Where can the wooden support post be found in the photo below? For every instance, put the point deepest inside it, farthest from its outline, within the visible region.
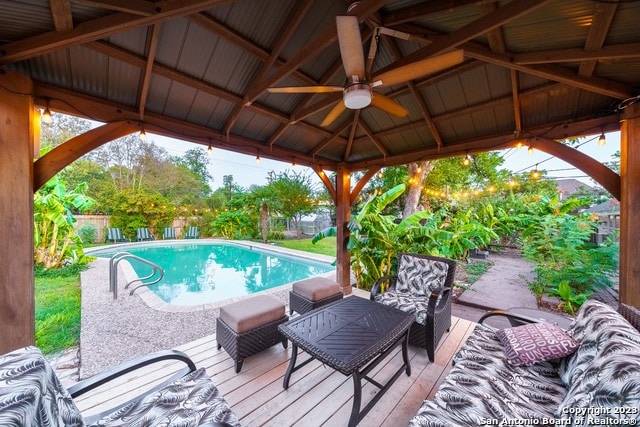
(16, 212)
(343, 215)
(630, 207)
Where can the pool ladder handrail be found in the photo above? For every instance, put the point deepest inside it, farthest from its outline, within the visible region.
(113, 276)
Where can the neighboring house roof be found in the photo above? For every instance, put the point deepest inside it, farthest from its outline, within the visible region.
(611, 206)
(571, 186)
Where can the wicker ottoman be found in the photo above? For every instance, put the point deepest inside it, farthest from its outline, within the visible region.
(312, 293)
(247, 327)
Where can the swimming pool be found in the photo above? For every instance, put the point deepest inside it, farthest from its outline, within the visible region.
(199, 273)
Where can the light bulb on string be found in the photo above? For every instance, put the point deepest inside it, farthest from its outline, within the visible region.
(602, 140)
(46, 116)
(258, 159)
(143, 135)
(530, 150)
(467, 160)
(209, 149)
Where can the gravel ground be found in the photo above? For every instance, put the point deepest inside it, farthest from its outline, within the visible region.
(114, 331)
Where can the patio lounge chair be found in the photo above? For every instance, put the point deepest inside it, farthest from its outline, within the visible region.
(169, 233)
(31, 394)
(143, 234)
(422, 286)
(192, 233)
(115, 235)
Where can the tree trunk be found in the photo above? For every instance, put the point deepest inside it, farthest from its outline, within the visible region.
(264, 220)
(418, 171)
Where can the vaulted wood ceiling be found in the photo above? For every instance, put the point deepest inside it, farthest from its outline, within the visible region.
(199, 70)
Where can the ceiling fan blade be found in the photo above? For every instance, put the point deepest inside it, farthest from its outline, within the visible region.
(351, 46)
(306, 89)
(333, 114)
(388, 105)
(420, 68)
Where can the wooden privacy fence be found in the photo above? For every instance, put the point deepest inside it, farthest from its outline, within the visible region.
(101, 222)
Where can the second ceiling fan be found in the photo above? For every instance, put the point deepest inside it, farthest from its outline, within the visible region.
(358, 91)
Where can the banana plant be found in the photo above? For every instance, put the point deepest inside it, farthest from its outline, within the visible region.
(54, 238)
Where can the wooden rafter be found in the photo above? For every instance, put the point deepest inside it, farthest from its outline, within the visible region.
(413, 12)
(61, 13)
(213, 25)
(362, 10)
(352, 133)
(336, 135)
(480, 26)
(190, 81)
(602, 17)
(515, 91)
(98, 28)
(141, 8)
(292, 22)
(373, 138)
(146, 78)
(326, 181)
(622, 51)
(371, 172)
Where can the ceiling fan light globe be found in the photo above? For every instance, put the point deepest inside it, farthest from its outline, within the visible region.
(357, 98)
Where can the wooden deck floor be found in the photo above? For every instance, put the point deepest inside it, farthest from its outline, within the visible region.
(317, 395)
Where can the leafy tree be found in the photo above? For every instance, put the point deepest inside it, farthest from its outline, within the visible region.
(61, 129)
(133, 209)
(262, 198)
(197, 161)
(54, 238)
(295, 192)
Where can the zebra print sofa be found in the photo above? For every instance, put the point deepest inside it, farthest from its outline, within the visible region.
(31, 395)
(599, 384)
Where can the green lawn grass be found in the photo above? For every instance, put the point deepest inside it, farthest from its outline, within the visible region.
(475, 269)
(57, 301)
(325, 246)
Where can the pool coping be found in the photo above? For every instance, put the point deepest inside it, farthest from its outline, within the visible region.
(154, 302)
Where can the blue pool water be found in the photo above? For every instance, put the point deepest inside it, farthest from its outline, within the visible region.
(205, 272)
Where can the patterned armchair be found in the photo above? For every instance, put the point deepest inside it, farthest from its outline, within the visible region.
(422, 286)
(31, 395)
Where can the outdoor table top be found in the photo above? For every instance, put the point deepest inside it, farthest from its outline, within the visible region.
(348, 333)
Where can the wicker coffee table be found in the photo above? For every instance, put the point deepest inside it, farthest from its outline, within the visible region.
(352, 336)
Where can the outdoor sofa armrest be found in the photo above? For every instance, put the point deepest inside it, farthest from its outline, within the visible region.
(435, 298)
(514, 319)
(100, 379)
(375, 289)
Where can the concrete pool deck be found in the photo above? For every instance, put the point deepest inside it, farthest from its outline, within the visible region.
(116, 330)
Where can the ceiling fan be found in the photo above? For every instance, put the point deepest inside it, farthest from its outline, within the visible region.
(358, 91)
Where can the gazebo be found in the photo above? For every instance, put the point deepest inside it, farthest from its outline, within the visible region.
(397, 81)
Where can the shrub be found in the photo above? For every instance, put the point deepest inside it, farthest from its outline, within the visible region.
(87, 232)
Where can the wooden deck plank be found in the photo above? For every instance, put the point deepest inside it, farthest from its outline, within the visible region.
(317, 395)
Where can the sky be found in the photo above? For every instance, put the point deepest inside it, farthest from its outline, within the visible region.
(247, 172)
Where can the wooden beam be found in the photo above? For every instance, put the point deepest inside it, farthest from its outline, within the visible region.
(515, 93)
(352, 133)
(630, 207)
(229, 34)
(146, 77)
(16, 212)
(98, 28)
(600, 24)
(373, 170)
(558, 74)
(343, 216)
(327, 182)
(314, 152)
(326, 102)
(418, 11)
(141, 8)
(61, 13)
(480, 26)
(362, 10)
(190, 81)
(64, 154)
(592, 167)
(622, 51)
(558, 130)
(291, 25)
(374, 138)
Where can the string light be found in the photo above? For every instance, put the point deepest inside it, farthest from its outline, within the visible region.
(602, 140)
(467, 160)
(46, 115)
(258, 159)
(380, 175)
(209, 149)
(419, 170)
(530, 150)
(293, 164)
(143, 135)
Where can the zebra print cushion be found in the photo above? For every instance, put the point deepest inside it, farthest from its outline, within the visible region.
(405, 302)
(31, 394)
(420, 276)
(595, 324)
(482, 386)
(193, 400)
